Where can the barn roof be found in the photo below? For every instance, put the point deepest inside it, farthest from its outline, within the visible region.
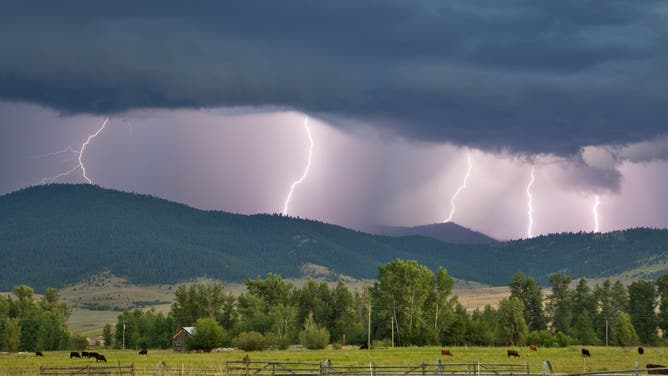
(188, 329)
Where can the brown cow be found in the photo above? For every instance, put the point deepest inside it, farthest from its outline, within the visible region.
(446, 352)
(513, 353)
(533, 347)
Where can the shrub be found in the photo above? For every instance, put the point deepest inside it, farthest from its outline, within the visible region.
(208, 335)
(250, 341)
(313, 336)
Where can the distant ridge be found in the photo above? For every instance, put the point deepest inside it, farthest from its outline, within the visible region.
(449, 232)
(59, 234)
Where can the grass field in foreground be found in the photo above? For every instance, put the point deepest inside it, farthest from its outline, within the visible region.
(564, 360)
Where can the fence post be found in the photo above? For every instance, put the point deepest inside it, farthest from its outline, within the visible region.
(477, 369)
(635, 365)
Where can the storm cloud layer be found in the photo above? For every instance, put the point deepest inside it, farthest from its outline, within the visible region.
(524, 76)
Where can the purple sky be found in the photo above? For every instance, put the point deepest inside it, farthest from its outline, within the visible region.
(207, 103)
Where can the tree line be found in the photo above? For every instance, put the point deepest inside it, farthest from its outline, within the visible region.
(407, 305)
(30, 324)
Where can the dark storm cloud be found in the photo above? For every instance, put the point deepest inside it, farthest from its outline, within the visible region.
(527, 76)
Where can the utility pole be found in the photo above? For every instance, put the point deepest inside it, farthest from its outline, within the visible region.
(606, 332)
(368, 336)
(123, 336)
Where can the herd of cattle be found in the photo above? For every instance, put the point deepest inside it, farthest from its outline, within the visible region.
(91, 355)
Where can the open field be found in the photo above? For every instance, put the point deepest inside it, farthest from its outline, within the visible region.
(564, 360)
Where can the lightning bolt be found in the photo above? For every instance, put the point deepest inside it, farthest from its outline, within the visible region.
(308, 166)
(68, 149)
(71, 150)
(597, 202)
(83, 148)
(530, 204)
(461, 188)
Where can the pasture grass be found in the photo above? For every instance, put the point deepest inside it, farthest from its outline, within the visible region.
(564, 360)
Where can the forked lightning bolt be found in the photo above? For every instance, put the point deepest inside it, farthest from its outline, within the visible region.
(80, 159)
(308, 166)
(530, 205)
(597, 202)
(461, 188)
(83, 148)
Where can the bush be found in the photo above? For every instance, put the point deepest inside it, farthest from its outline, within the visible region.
(314, 338)
(542, 338)
(78, 342)
(208, 335)
(563, 340)
(250, 341)
(276, 342)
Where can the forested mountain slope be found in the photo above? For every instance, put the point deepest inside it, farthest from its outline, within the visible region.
(449, 232)
(58, 234)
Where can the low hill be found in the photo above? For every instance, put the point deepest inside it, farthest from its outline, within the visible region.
(59, 234)
(449, 232)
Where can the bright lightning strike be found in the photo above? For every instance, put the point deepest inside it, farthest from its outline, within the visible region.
(308, 166)
(80, 152)
(597, 202)
(530, 204)
(83, 148)
(461, 188)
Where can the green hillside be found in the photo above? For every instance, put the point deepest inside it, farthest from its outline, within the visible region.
(58, 234)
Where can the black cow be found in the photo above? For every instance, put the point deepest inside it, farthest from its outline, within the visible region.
(652, 371)
(92, 354)
(143, 352)
(74, 354)
(364, 346)
(585, 352)
(84, 354)
(513, 353)
(641, 350)
(100, 358)
(38, 353)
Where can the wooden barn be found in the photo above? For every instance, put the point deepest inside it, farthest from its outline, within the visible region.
(179, 339)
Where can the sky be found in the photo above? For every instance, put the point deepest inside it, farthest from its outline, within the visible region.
(207, 105)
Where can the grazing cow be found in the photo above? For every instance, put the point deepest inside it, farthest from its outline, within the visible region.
(100, 358)
(143, 352)
(74, 354)
(84, 354)
(247, 360)
(641, 350)
(446, 352)
(364, 346)
(513, 353)
(652, 371)
(533, 347)
(93, 354)
(585, 352)
(38, 353)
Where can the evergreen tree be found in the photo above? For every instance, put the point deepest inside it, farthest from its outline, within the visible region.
(642, 305)
(531, 295)
(560, 303)
(512, 327)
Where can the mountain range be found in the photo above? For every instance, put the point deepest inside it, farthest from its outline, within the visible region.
(448, 232)
(55, 235)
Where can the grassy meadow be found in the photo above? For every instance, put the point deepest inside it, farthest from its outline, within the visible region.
(564, 360)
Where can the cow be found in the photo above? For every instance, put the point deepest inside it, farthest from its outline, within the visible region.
(446, 352)
(641, 350)
(74, 354)
(513, 353)
(84, 354)
(38, 353)
(533, 347)
(247, 360)
(100, 358)
(652, 371)
(585, 352)
(143, 352)
(92, 354)
(364, 346)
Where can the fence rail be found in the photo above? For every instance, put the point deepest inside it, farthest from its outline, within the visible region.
(237, 368)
